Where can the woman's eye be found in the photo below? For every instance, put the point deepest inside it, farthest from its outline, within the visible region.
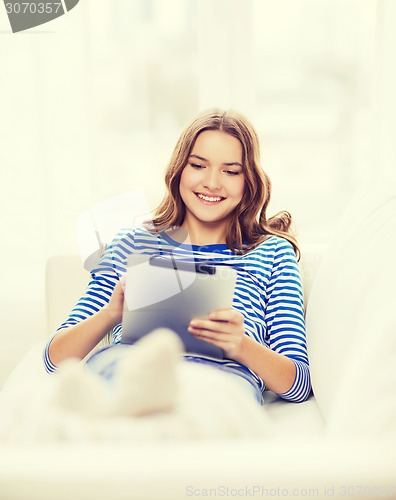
(232, 172)
(195, 165)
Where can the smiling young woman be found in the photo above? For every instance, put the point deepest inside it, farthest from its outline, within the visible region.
(214, 211)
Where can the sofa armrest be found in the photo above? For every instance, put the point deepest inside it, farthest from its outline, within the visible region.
(65, 282)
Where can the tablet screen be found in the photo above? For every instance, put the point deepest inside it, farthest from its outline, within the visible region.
(169, 292)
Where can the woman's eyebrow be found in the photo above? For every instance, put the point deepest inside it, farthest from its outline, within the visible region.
(199, 157)
(236, 163)
(230, 164)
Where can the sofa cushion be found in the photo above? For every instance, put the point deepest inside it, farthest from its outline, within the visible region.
(366, 403)
(349, 294)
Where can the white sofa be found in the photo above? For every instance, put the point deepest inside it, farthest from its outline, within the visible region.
(339, 443)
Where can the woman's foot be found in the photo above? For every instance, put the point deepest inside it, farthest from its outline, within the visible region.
(82, 391)
(145, 378)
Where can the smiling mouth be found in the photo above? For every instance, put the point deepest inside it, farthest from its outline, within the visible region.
(210, 199)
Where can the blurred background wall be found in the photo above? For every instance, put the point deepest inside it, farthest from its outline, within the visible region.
(92, 103)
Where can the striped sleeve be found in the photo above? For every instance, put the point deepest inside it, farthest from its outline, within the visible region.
(48, 365)
(285, 319)
(104, 277)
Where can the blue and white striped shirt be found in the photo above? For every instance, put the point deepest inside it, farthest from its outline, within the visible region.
(268, 293)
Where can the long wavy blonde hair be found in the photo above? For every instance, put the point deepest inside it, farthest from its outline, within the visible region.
(249, 225)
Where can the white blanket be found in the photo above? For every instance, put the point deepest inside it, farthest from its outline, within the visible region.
(209, 406)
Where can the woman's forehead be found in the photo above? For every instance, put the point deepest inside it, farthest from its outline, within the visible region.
(218, 145)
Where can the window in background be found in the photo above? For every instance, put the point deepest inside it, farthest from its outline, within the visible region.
(313, 92)
(143, 89)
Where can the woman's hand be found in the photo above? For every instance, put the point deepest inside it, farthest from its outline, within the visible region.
(223, 328)
(116, 304)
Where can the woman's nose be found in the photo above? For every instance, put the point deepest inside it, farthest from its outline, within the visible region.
(212, 180)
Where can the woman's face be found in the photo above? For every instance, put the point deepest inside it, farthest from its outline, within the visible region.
(212, 183)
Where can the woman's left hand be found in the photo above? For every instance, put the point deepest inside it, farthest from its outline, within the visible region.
(223, 328)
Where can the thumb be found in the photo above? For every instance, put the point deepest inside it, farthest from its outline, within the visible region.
(123, 283)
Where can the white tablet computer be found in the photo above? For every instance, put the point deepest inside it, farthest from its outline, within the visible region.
(163, 291)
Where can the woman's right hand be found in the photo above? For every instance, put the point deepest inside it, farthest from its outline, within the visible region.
(115, 306)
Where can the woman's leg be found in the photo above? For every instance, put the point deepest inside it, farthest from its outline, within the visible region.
(213, 403)
(247, 387)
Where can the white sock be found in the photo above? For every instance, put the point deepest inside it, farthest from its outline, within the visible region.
(80, 390)
(145, 379)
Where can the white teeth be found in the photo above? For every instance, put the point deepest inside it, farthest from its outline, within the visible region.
(209, 198)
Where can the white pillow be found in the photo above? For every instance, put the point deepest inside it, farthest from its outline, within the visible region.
(352, 276)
